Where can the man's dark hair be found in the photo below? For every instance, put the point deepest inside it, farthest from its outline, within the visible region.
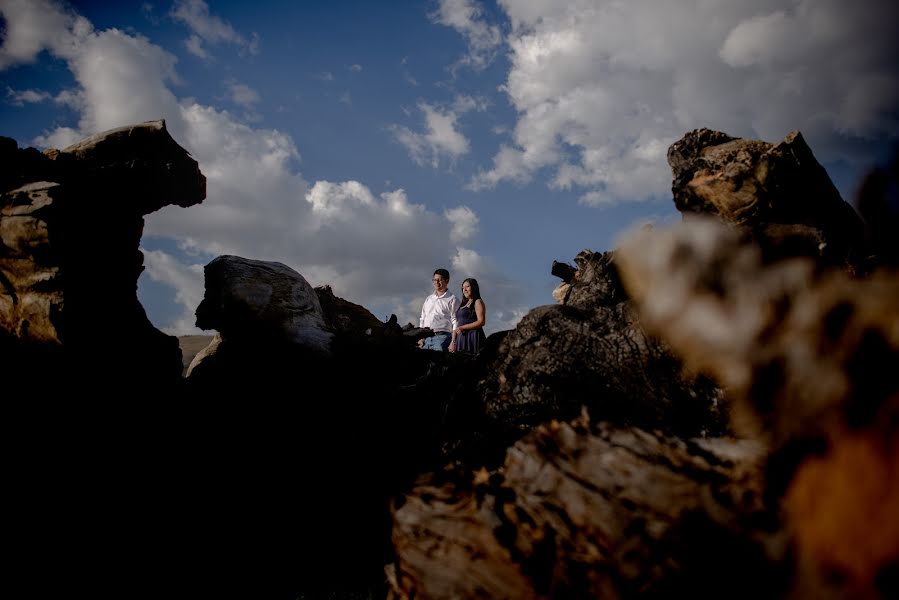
(443, 273)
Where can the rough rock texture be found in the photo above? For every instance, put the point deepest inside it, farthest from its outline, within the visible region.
(809, 359)
(345, 316)
(778, 192)
(251, 300)
(593, 512)
(759, 298)
(592, 352)
(70, 228)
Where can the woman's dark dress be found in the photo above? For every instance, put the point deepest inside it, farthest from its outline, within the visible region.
(469, 340)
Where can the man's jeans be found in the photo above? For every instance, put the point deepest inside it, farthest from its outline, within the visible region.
(439, 342)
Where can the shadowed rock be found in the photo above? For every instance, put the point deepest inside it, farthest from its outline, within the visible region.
(252, 301)
(591, 351)
(808, 358)
(70, 229)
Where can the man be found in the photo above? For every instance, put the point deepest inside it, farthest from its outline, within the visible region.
(439, 313)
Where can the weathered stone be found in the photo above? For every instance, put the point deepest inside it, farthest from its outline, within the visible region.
(251, 301)
(592, 352)
(764, 187)
(344, 316)
(593, 512)
(70, 228)
(808, 358)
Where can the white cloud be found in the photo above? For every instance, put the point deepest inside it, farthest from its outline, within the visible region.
(208, 28)
(602, 89)
(194, 45)
(20, 98)
(378, 250)
(186, 280)
(242, 94)
(465, 17)
(501, 296)
(464, 223)
(61, 137)
(32, 25)
(355, 68)
(442, 137)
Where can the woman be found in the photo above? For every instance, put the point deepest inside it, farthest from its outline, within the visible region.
(471, 317)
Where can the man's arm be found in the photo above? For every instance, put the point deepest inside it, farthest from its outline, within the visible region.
(454, 306)
(424, 307)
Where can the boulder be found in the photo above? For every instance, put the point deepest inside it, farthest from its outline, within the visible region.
(778, 193)
(807, 358)
(592, 352)
(257, 302)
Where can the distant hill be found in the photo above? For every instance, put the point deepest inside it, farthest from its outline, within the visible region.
(190, 346)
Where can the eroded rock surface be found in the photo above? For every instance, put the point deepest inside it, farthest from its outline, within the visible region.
(70, 229)
(779, 193)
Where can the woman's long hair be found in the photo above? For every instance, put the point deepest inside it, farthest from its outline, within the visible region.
(475, 289)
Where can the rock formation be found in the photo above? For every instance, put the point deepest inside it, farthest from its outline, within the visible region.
(808, 359)
(778, 193)
(70, 227)
(761, 299)
(592, 351)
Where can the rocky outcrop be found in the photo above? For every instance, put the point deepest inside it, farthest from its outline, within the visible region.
(592, 352)
(581, 511)
(344, 316)
(249, 300)
(70, 228)
(807, 357)
(801, 506)
(778, 193)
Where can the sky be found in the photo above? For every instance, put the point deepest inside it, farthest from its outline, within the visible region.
(366, 144)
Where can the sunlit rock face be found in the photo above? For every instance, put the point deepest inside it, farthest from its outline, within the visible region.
(777, 192)
(70, 229)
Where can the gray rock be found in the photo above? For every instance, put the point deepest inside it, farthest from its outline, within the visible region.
(251, 301)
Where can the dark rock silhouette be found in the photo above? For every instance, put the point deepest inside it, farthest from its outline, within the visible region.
(70, 224)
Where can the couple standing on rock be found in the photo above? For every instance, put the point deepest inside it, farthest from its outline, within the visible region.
(457, 327)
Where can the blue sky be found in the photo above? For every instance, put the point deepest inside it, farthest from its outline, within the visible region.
(367, 143)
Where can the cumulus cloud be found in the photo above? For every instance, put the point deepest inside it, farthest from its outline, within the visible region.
(602, 89)
(376, 249)
(208, 28)
(186, 280)
(501, 296)
(442, 138)
(23, 97)
(242, 94)
(482, 38)
(464, 223)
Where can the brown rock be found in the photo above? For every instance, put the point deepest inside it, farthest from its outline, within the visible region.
(779, 193)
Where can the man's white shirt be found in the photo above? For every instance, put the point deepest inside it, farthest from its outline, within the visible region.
(439, 312)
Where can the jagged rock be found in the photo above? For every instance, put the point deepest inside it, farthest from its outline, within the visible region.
(778, 193)
(807, 357)
(592, 352)
(70, 228)
(593, 512)
(344, 316)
